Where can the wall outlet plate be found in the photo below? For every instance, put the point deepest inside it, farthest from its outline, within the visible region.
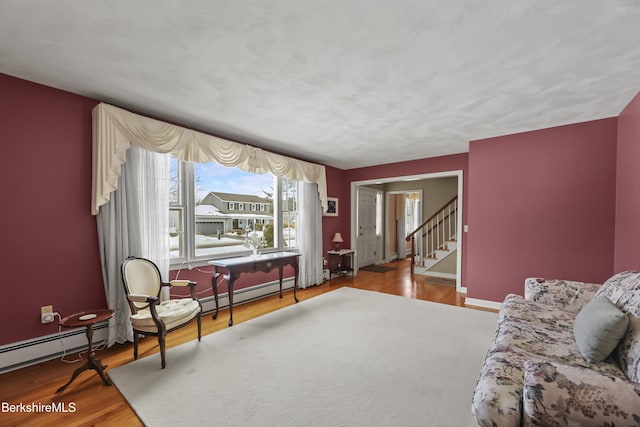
(46, 314)
(47, 317)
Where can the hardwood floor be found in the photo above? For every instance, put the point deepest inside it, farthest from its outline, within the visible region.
(99, 405)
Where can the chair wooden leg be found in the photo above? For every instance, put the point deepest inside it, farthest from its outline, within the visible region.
(199, 326)
(135, 345)
(161, 341)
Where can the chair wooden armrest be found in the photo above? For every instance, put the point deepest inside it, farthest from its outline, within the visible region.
(192, 286)
(143, 298)
(182, 283)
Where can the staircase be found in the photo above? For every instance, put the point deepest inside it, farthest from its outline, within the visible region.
(437, 239)
(448, 249)
(425, 267)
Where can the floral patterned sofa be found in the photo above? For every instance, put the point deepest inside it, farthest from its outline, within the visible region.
(535, 373)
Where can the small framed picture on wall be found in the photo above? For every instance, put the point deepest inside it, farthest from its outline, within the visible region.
(332, 206)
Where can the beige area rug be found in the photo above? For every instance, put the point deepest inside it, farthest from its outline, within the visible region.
(345, 358)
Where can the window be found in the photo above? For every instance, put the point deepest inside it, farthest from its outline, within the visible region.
(210, 215)
(289, 208)
(379, 214)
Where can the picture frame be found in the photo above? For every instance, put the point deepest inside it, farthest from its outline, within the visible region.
(332, 206)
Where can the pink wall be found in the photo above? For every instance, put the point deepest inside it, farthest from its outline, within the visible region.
(337, 187)
(418, 167)
(541, 203)
(627, 249)
(49, 238)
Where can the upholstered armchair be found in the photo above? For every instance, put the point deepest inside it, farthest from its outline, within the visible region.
(149, 316)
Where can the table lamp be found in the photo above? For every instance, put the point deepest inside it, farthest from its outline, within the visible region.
(337, 239)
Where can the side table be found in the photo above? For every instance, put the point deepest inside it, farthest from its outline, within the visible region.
(88, 319)
(340, 267)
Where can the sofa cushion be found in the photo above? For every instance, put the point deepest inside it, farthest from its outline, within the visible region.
(619, 289)
(173, 313)
(598, 329)
(627, 355)
(566, 294)
(542, 332)
(563, 395)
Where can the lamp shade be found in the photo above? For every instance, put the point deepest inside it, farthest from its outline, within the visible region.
(337, 238)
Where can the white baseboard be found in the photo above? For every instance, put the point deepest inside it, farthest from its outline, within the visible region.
(32, 351)
(482, 303)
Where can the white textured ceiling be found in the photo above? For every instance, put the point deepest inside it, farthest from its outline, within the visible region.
(347, 83)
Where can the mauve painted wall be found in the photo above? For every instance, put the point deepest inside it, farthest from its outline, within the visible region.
(627, 249)
(541, 203)
(49, 238)
(337, 187)
(418, 167)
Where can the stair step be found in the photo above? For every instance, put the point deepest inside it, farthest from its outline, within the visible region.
(432, 260)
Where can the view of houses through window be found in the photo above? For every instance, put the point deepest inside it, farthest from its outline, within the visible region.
(218, 211)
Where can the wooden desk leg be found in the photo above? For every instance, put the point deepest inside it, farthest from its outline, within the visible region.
(230, 292)
(92, 363)
(214, 285)
(295, 280)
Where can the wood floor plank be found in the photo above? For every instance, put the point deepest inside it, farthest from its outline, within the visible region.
(99, 405)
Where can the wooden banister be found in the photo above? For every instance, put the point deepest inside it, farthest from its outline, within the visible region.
(440, 212)
(430, 218)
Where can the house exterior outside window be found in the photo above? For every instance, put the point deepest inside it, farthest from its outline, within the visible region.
(215, 224)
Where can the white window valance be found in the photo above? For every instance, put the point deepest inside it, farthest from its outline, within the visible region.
(116, 130)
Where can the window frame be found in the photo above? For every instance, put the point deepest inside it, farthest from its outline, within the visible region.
(186, 205)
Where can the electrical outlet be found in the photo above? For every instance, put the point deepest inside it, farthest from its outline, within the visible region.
(46, 314)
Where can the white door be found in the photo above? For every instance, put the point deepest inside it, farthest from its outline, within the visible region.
(367, 240)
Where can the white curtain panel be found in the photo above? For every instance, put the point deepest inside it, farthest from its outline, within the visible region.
(309, 234)
(135, 222)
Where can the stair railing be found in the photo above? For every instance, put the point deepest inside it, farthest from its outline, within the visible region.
(435, 231)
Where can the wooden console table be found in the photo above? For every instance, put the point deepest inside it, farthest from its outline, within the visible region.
(231, 268)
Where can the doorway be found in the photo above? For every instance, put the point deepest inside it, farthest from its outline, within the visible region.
(403, 214)
(406, 183)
